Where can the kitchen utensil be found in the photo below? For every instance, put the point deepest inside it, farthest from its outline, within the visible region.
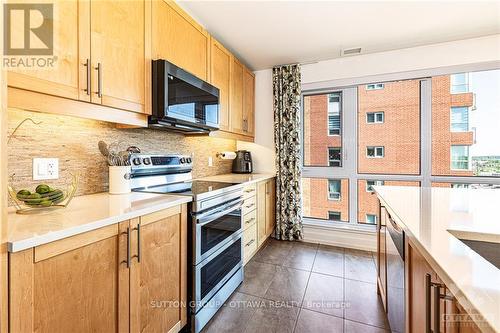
(134, 150)
(103, 148)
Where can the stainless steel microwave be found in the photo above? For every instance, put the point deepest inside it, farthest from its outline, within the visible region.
(181, 101)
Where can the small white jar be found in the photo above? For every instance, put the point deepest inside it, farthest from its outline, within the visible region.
(119, 179)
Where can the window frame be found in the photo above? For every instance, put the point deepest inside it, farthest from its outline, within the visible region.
(366, 219)
(375, 121)
(349, 170)
(468, 109)
(375, 148)
(334, 212)
(466, 84)
(330, 197)
(329, 160)
(468, 157)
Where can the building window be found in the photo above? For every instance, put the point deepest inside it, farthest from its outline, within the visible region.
(333, 189)
(375, 86)
(375, 152)
(459, 83)
(460, 157)
(371, 219)
(334, 114)
(374, 117)
(370, 183)
(459, 185)
(334, 216)
(459, 119)
(334, 157)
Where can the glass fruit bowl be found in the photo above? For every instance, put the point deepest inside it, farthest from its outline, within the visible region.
(44, 197)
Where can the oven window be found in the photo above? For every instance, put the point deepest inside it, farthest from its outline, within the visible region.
(216, 269)
(215, 232)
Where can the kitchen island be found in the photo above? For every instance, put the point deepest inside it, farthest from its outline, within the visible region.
(437, 223)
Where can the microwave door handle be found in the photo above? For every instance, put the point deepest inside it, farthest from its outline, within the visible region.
(209, 218)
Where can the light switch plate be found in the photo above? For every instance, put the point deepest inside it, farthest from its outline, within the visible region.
(210, 161)
(45, 168)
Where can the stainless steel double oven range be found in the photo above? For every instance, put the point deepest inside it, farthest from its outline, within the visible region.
(214, 233)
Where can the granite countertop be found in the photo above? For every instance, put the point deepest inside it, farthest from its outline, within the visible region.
(240, 178)
(85, 213)
(431, 217)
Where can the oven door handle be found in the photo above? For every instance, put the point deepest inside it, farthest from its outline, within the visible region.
(209, 218)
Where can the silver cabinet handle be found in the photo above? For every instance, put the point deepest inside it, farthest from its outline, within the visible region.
(250, 220)
(87, 64)
(250, 243)
(434, 289)
(99, 79)
(250, 206)
(138, 255)
(128, 247)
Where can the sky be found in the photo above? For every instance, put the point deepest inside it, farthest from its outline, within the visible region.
(486, 118)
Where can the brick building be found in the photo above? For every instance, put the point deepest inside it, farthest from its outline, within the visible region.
(388, 141)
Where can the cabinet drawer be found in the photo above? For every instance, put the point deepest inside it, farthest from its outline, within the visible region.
(249, 205)
(249, 242)
(249, 191)
(249, 219)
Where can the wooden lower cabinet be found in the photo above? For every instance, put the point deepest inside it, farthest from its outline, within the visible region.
(421, 297)
(127, 277)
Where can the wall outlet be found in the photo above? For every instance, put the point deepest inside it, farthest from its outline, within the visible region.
(45, 168)
(210, 161)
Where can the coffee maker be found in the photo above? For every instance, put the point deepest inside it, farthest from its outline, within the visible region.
(243, 162)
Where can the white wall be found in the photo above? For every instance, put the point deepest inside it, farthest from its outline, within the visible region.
(263, 149)
(462, 52)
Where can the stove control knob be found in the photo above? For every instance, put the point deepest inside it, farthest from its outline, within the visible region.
(136, 161)
(189, 160)
(146, 161)
(182, 160)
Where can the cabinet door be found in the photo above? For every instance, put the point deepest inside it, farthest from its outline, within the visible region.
(179, 39)
(381, 256)
(118, 53)
(77, 284)
(248, 102)
(236, 117)
(270, 206)
(220, 76)
(68, 78)
(417, 268)
(261, 212)
(158, 272)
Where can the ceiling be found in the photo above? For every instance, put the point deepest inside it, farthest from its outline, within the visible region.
(268, 33)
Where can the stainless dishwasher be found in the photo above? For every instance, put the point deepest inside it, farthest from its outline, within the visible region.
(395, 276)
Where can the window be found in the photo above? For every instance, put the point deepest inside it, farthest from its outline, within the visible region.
(375, 152)
(334, 187)
(374, 117)
(334, 114)
(334, 159)
(459, 185)
(371, 219)
(334, 216)
(375, 86)
(459, 83)
(460, 157)
(459, 119)
(322, 129)
(370, 183)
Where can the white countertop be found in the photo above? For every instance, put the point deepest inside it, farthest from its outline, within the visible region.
(426, 215)
(84, 213)
(238, 178)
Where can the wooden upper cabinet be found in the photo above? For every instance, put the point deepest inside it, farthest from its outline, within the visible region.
(68, 78)
(177, 38)
(158, 274)
(220, 77)
(237, 97)
(248, 102)
(118, 53)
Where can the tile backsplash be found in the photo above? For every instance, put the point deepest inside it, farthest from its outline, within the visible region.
(74, 142)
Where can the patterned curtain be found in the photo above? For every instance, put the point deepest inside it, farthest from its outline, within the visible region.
(286, 92)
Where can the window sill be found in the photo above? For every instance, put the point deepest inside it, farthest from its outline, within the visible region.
(341, 226)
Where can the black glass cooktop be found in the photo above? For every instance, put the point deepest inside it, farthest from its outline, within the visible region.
(193, 188)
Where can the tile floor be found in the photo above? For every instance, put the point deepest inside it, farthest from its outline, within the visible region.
(302, 287)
